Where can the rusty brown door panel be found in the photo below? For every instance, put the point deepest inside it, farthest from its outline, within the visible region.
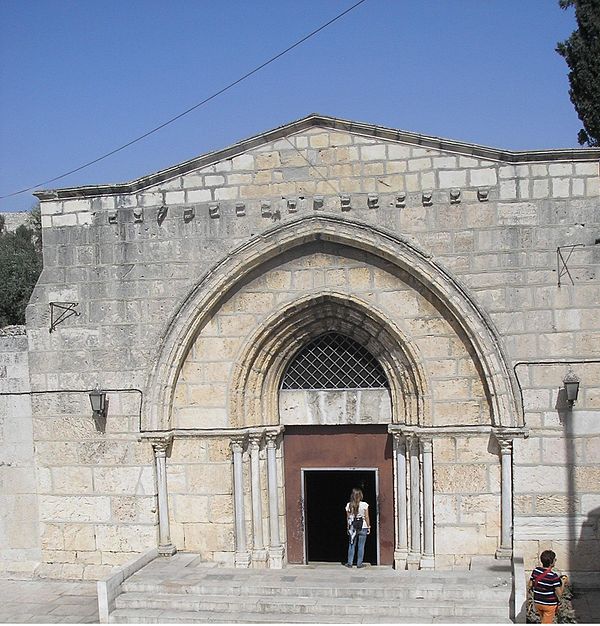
(338, 446)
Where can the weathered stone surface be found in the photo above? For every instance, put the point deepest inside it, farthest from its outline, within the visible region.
(461, 478)
(132, 280)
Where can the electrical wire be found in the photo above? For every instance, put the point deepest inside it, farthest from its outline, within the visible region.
(194, 107)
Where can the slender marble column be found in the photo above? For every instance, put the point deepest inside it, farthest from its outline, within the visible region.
(160, 446)
(401, 551)
(506, 526)
(275, 547)
(428, 560)
(242, 557)
(414, 556)
(259, 554)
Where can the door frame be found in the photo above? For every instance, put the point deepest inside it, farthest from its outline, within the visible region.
(303, 471)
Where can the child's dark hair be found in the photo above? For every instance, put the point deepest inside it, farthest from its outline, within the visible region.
(547, 557)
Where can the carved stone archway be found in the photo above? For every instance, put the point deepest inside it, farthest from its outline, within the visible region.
(201, 302)
(257, 376)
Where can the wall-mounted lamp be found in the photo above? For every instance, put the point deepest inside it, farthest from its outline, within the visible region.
(99, 408)
(571, 383)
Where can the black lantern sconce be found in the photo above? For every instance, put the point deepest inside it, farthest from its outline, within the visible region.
(99, 404)
(571, 383)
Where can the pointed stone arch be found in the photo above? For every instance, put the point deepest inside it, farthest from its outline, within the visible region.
(257, 376)
(205, 297)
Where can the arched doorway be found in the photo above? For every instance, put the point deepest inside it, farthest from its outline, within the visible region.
(334, 401)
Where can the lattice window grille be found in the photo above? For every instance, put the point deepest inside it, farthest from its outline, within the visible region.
(334, 361)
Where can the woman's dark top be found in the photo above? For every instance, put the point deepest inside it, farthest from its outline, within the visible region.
(544, 589)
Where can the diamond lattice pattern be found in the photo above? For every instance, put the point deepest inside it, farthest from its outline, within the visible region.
(333, 361)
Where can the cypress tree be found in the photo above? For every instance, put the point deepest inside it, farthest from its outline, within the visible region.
(581, 51)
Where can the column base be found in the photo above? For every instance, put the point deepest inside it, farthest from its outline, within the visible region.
(427, 561)
(276, 558)
(167, 549)
(413, 561)
(242, 559)
(504, 553)
(400, 557)
(259, 559)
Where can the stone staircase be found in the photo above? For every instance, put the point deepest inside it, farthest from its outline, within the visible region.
(180, 589)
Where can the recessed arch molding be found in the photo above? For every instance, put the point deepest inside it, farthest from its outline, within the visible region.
(199, 305)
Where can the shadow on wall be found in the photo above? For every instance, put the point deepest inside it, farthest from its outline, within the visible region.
(583, 532)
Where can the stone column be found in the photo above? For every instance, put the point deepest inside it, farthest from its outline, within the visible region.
(401, 551)
(160, 446)
(413, 560)
(506, 525)
(259, 554)
(428, 559)
(275, 547)
(242, 556)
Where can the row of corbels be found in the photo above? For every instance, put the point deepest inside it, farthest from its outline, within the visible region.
(293, 205)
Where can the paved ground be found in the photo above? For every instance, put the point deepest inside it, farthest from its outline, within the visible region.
(67, 602)
(48, 602)
(587, 606)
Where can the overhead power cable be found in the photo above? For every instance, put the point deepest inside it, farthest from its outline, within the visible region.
(192, 108)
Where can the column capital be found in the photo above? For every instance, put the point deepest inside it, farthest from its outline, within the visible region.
(505, 440)
(272, 438)
(161, 444)
(238, 443)
(426, 444)
(255, 439)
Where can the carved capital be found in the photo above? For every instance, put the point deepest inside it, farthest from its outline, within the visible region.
(255, 441)
(412, 443)
(272, 438)
(238, 443)
(161, 445)
(505, 445)
(427, 445)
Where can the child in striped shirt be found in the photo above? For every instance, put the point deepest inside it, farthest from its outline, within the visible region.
(547, 587)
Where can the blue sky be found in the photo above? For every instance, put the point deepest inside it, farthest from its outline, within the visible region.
(79, 78)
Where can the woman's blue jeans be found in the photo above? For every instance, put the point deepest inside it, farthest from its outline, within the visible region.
(359, 538)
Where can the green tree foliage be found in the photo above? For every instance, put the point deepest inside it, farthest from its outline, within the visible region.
(20, 267)
(582, 54)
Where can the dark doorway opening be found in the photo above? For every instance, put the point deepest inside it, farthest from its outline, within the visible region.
(326, 493)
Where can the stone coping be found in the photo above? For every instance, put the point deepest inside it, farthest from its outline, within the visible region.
(328, 123)
(110, 587)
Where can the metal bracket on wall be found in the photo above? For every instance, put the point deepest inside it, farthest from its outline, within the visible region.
(561, 261)
(60, 311)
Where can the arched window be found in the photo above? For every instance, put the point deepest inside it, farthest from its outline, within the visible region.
(334, 361)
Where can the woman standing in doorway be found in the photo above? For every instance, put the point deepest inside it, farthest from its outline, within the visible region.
(359, 526)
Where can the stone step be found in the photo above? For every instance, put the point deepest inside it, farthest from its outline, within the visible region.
(368, 590)
(159, 616)
(234, 603)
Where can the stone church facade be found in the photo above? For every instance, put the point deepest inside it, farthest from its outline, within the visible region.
(462, 283)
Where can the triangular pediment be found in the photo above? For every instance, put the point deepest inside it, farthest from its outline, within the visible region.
(314, 124)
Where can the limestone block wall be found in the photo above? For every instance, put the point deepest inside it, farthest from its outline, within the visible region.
(129, 259)
(19, 526)
(200, 485)
(203, 391)
(97, 488)
(128, 256)
(466, 498)
(557, 469)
